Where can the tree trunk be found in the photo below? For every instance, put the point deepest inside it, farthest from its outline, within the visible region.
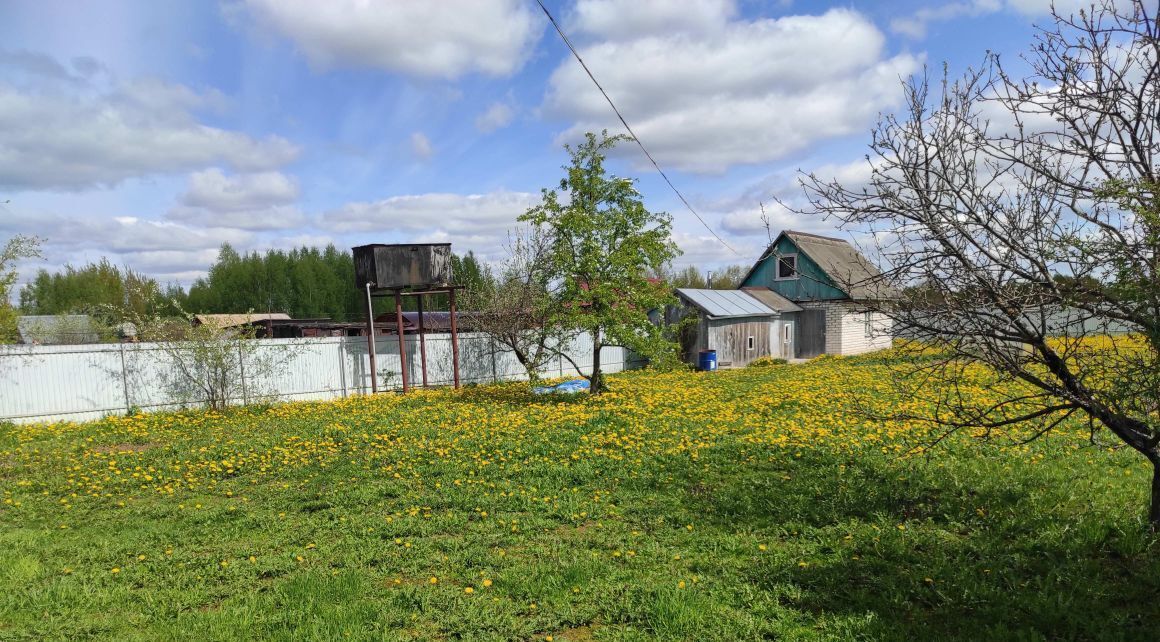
(596, 381)
(1154, 508)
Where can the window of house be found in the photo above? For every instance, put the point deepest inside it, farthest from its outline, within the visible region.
(787, 266)
(749, 343)
(868, 324)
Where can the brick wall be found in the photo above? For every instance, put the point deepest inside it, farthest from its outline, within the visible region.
(846, 328)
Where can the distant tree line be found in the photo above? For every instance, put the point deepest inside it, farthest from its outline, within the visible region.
(304, 282)
(728, 278)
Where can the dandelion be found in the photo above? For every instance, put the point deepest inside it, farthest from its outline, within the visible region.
(762, 547)
(681, 584)
(115, 570)
(468, 590)
(486, 583)
(434, 580)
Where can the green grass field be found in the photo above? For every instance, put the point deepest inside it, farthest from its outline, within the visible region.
(732, 506)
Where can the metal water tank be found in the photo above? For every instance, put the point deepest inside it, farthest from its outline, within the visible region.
(397, 266)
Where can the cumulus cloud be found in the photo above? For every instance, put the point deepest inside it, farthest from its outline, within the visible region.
(477, 221)
(621, 20)
(256, 201)
(163, 249)
(212, 189)
(497, 116)
(704, 100)
(453, 213)
(443, 39)
(60, 132)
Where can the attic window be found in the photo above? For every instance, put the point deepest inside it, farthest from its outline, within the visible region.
(787, 266)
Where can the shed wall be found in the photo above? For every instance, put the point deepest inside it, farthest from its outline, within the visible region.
(730, 338)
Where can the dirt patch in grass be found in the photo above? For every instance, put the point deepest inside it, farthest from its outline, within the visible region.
(575, 634)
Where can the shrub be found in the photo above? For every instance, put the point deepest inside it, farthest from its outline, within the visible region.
(766, 362)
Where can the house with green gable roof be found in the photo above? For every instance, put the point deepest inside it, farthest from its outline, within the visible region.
(840, 293)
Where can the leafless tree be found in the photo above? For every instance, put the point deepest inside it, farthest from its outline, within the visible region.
(1019, 215)
(518, 312)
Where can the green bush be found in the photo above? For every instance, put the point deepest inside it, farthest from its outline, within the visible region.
(766, 362)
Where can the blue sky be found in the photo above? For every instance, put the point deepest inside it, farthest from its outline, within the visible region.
(152, 132)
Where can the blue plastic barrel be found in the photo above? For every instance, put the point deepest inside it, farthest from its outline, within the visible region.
(707, 360)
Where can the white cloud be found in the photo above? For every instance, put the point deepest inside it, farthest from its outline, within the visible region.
(257, 201)
(165, 250)
(749, 92)
(276, 217)
(444, 39)
(213, 190)
(61, 132)
(121, 234)
(705, 251)
(479, 222)
(466, 213)
(497, 116)
(421, 146)
(629, 20)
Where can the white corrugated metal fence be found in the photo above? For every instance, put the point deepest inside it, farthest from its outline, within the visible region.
(81, 382)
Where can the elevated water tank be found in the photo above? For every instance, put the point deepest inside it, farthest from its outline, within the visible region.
(391, 267)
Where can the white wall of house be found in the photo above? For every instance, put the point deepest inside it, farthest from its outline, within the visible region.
(847, 330)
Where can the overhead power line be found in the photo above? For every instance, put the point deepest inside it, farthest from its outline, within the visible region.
(624, 122)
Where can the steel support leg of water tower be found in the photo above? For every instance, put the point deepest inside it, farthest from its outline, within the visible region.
(454, 337)
(422, 340)
(402, 338)
(371, 340)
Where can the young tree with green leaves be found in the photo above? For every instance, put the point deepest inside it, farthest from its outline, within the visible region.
(603, 245)
(16, 248)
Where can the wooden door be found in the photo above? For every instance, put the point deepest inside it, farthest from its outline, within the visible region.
(810, 334)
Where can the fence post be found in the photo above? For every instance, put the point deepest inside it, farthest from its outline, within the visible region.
(125, 380)
(494, 356)
(242, 369)
(342, 366)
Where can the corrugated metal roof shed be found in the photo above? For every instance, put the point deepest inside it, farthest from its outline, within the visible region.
(721, 304)
(52, 329)
(772, 299)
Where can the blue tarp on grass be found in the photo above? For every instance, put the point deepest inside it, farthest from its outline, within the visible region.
(567, 387)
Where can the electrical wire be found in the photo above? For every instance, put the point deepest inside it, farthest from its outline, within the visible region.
(624, 122)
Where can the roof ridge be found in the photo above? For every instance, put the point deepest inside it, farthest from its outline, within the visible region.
(816, 236)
